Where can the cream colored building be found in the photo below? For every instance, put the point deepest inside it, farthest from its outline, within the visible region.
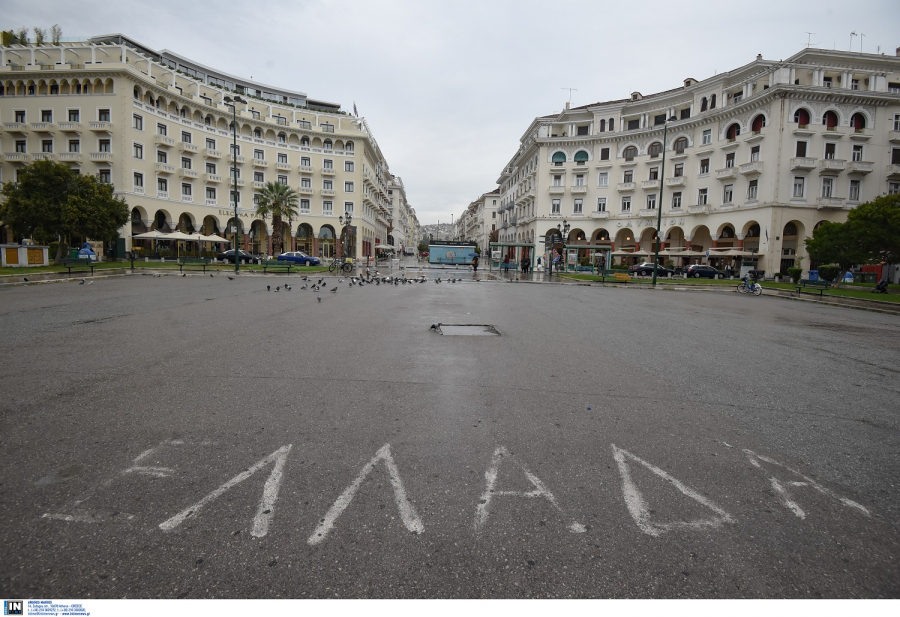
(405, 224)
(156, 125)
(755, 158)
(479, 219)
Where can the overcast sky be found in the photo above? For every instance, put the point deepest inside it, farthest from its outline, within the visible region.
(448, 88)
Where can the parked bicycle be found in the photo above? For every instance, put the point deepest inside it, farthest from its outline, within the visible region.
(749, 286)
(340, 264)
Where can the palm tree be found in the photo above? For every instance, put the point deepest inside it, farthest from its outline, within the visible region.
(278, 201)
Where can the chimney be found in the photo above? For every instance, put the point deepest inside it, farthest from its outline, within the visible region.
(758, 57)
(898, 51)
(567, 104)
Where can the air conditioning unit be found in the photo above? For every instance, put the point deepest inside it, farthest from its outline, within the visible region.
(788, 251)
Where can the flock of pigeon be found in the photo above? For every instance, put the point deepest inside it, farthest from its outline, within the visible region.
(357, 281)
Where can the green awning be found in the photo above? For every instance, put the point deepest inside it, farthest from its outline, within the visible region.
(559, 157)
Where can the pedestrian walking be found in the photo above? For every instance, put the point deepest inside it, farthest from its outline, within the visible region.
(475, 263)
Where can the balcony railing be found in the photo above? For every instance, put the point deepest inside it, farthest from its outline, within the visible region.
(893, 171)
(650, 185)
(676, 181)
(70, 127)
(625, 186)
(212, 178)
(15, 127)
(235, 159)
(187, 198)
(831, 202)
(162, 140)
(259, 185)
(647, 212)
(101, 127)
(699, 209)
(101, 157)
(138, 190)
(260, 162)
(164, 168)
(599, 214)
(328, 192)
(43, 156)
(213, 154)
(162, 194)
(803, 162)
(578, 189)
(69, 156)
(283, 166)
(185, 146)
(860, 167)
(328, 171)
(43, 127)
(305, 190)
(305, 169)
(729, 173)
(188, 173)
(831, 166)
(212, 202)
(753, 168)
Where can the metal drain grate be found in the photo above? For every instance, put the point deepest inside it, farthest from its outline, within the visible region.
(467, 330)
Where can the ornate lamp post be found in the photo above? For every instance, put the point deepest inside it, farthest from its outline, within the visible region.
(662, 183)
(562, 232)
(232, 102)
(345, 221)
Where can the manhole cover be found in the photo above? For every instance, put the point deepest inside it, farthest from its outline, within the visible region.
(467, 330)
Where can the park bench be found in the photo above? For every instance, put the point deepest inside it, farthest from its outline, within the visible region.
(74, 262)
(811, 287)
(193, 262)
(508, 266)
(278, 266)
(621, 277)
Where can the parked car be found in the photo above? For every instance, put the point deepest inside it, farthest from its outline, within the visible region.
(245, 257)
(646, 269)
(700, 270)
(300, 258)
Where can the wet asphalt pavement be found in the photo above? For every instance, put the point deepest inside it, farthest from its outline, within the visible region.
(202, 438)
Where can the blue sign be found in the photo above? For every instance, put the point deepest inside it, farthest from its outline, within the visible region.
(458, 255)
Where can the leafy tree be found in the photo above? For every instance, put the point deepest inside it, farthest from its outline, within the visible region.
(49, 199)
(278, 201)
(837, 243)
(7, 38)
(39, 36)
(22, 35)
(423, 246)
(878, 227)
(55, 33)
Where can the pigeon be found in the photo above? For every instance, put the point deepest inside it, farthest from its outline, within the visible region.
(90, 282)
(341, 280)
(287, 287)
(230, 278)
(210, 276)
(158, 275)
(82, 282)
(303, 287)
(435, 326)
(183, 275)
(278, 288)
(305, 278)
(268, 288)
(334, 290)
(319, 298)
(25, 278)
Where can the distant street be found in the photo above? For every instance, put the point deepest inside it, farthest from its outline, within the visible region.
(200, 437)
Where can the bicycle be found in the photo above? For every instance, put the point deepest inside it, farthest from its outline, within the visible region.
(338, 264)
(755, 288)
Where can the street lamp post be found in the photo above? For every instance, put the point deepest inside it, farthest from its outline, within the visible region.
(345, 221)
(232, 102)
(659, 204)
(562, 232)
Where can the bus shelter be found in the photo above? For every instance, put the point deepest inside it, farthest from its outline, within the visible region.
(496, 250)
(599, 256)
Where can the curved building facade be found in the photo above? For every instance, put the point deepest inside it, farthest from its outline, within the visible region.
(156, 125)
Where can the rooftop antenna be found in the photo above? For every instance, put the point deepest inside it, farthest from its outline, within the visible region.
(809, 42)
(570, 95)
(852, 34)
(861, 36)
